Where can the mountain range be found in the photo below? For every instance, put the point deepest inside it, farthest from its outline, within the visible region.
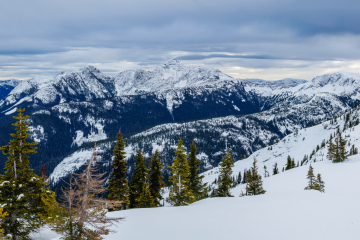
(71, 110)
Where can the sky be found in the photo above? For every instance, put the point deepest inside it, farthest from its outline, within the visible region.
(267, 39)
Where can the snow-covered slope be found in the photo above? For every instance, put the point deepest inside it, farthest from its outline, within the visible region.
(6, 86)
(286, 81)
(171, 75)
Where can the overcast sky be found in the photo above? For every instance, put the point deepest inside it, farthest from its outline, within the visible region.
(268, 39)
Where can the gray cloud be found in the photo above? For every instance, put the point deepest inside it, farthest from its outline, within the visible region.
(43, 37)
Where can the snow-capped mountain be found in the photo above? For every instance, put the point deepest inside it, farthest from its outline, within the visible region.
(6, 86)
(86, 105)
(89, 84)
(286, 81)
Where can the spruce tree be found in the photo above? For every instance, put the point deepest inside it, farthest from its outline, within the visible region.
(198, 188)
(288, 163)
(156, 177)
(254, 186)
(293, 165)
(118, 185)
(339, 152)
(180, 194)
(24, 196)
(319, 184)
(331, 150)
(138, 179)
(238, 181)
(225, 182)
(311, 178)
(275, 169)
(145, 199)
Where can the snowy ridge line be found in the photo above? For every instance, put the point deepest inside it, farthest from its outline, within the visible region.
(297, 145)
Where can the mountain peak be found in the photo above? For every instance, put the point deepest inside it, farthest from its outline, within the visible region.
(89, 68)
(172, 62)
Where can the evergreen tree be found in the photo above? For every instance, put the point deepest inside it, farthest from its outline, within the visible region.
(138, 180)
(245, 177)
(145, 199)
(198, 188)
(331, 149)
(225, 182)
(339, 152)
(24, 196)
(288, 163)
(155, 178)
(254, 186)
(275, 169)
(118, 185)
(311, 178)
(239, 178)
(180, 194)
(293, 165)
(319, 184)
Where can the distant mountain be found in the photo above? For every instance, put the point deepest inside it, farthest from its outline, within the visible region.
(6, 86)
(286, 81)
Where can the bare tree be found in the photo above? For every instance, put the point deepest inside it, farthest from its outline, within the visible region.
(84, 211)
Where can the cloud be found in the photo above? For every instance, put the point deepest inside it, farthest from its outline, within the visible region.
(43, 37)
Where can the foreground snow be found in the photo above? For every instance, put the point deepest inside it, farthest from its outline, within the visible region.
(286, 211)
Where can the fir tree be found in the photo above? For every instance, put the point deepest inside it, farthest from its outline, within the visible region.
(245, 177)
(254, 186)
(225, 182)
(288, 163)
(319, 184)
(331, 149)
(339, 152)
(24, 195)
(138, 179)
(275, 169)
(118, 185)
(198, 188)
(180, 194)
(311, 178)
(238, 181)
(293, 165)
(145, 199)
(155, 178)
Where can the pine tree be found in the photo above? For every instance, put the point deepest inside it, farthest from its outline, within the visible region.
(254, 186)
(288, 163)
(198, 188)
(238, 181)
(339, 152)
(24, 195)
(319, 184)
(311, 178)
(145, 199)
(275, 169)
(245, 177)
(156, 178)
(118, 185)
(180, 194)
(331, 149)
(225, 182)
(293, 165)
(138, 180)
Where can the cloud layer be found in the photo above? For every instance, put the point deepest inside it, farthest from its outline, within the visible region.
(270, 39)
